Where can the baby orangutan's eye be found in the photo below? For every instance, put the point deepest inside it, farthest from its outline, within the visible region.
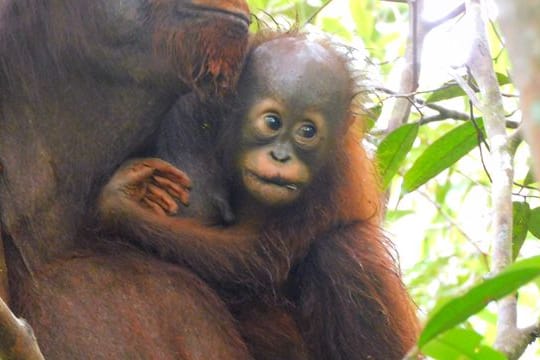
(307, 131)
(273, 122)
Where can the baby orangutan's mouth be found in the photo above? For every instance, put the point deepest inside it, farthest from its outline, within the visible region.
(274, 180)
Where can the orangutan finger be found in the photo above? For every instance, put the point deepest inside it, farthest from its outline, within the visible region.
(154, 207)
(169, 171)
(132, 175)
(173, 188)
(163, 198)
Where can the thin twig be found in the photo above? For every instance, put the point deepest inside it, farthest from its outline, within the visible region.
(317, 12)
(481, 140)
(526, 196)
(528, 187)
(458, 10)
(467, 88)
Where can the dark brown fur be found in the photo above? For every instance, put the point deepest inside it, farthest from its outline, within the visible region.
(317, 278)
(84, 84)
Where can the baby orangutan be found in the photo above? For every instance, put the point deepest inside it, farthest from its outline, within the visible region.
(305, 264)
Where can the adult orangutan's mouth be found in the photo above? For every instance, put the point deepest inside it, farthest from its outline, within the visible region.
(241, 20)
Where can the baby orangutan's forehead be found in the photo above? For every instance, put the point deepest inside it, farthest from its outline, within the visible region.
(300, 70)
(300, 49)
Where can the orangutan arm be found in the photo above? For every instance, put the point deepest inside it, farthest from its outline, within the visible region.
(138, 202)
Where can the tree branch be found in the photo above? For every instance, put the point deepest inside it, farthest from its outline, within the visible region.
(443, 113)
(519, 339)
(399, 110)
(458, 10)
(481, 67)
(471, 93)
(419, 28)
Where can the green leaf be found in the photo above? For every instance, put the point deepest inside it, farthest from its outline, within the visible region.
(374, 112)
(529, 178)
(458, 309)
(502, 79)
(445, 93)
(534, 222)
(444, 152)
(393, 149)
(460, 344)
(520, 215)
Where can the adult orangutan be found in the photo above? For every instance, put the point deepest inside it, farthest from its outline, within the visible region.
(305, 268)
(84, 84)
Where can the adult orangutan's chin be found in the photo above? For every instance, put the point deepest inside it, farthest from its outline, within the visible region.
(214, 67)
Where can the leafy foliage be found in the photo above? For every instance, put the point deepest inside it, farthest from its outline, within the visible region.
(393, 149)
(441, 154)
(460, 308)
(521, 213)
(534, 222)
(460, 344)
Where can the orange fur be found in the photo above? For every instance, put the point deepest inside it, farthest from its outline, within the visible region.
(322, 261)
